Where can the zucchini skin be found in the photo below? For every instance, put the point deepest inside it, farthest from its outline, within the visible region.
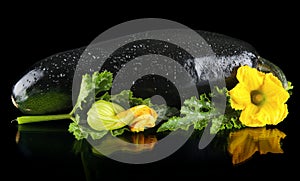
(47, 86)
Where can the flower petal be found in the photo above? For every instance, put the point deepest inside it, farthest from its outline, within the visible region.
(248, 116)
(142, 122)
(274, 79)
(273, 89)
(272, 113)
(241, 146)
(239, 97)
(251, 77)
(284, 113)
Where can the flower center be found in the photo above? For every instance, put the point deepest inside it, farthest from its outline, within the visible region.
(257, 97)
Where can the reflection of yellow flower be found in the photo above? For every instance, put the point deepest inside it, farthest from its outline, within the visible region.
(144, 142)
(137, 143)
(244, 143)
(260, 96)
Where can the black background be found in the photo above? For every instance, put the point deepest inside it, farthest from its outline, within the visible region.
(34, 32)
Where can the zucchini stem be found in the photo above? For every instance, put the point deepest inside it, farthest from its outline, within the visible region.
(42, 118)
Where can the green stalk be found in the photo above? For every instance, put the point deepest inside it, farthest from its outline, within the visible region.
(42, 118)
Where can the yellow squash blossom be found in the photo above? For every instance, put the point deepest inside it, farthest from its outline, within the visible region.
(244, 143)
(260, 96)
(139, 117)
(105, 115)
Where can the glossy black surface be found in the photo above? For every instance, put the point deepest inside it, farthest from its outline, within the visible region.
(45, 152)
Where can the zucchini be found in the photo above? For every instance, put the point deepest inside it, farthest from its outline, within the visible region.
(46, 88)
(47, 85)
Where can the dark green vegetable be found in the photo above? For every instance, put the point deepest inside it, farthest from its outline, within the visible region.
(47, 86)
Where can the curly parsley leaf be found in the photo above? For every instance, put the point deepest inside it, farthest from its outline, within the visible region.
(91, 85)
(199, 112)
(126, 96)
(82, 132)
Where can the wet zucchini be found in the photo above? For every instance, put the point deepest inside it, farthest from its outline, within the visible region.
(47, 86)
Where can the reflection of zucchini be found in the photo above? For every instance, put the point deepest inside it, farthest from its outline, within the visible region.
(45, 139)
(47, 86)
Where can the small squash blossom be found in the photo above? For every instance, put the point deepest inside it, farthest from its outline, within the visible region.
(102, 116)
(105, 115)
(144, 117)
(260, 96)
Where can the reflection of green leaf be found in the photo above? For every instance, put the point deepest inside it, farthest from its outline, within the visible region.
(78, 146)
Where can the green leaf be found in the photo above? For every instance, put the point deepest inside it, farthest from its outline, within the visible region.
(126, 97)
(77, 131)
(86, 87)
(106, 97)
(290, 88)
(117, 132)
(81, 132)
(95, 135)
(193, 112)
(91, 86)
(102, 81)
(176, 123)
(200, 112)
(165, 112)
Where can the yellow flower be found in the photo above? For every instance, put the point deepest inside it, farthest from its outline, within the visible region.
(143, 117)
(244, 143)
(260, 96)
(105, 115)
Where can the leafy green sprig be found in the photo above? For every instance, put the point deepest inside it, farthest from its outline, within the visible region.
(199, 112)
